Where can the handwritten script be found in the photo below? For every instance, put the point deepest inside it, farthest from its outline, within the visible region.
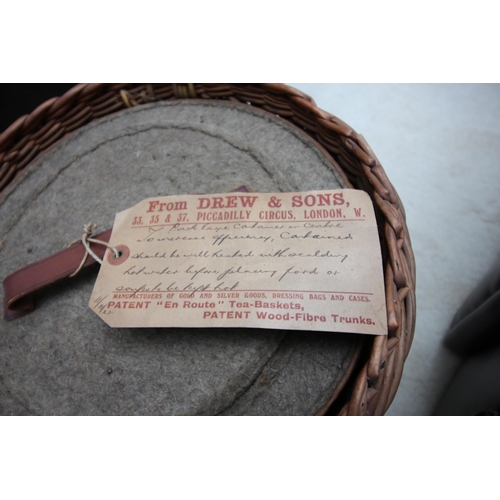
(295, 261)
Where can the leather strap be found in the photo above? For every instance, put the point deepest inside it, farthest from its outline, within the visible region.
(20, 286)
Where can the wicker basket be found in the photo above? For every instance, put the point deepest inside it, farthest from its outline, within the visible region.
(376, 379)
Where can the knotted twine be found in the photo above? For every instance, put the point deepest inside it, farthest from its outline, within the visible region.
(86, 240)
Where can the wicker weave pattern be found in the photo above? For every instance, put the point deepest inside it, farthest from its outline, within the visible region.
(380, 371)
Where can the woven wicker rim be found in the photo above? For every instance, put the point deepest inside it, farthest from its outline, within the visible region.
(379, 370)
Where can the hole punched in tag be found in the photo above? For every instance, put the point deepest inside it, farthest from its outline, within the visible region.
(123, 253)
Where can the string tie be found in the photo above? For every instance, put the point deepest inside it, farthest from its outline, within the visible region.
(86, 240)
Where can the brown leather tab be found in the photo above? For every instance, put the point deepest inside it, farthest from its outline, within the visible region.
(20, 286)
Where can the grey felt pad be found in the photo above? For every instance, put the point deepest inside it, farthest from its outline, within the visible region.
(63, 360)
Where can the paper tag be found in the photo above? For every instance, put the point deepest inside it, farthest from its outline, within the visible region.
(295, 261)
